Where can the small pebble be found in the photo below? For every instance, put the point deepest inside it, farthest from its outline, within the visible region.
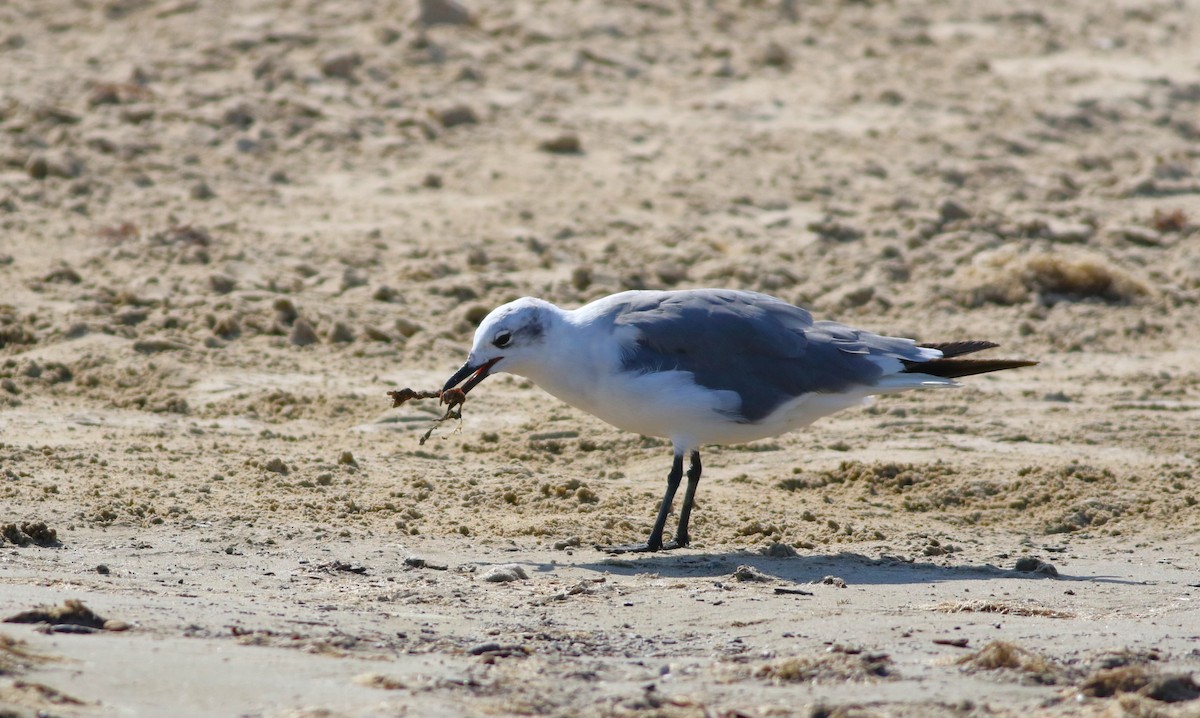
(302, 334)
(103, 570)
(341, 65)
(505, 573)
(951, 210)
(222, 283)
(201, 191)
(565, 144)
(749, 573)
(341, 333)
(457, 115)
(832, 581)
(443, 12)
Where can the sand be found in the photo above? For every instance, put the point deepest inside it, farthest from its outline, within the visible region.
(226, 232)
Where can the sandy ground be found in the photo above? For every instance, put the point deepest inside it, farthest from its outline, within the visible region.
(228, 229)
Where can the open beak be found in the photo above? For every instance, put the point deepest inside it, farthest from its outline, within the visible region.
(476, 373)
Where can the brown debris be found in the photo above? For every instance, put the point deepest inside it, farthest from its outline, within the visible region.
(998, 655)
(71, 613)
(452, 398)
(1136, 679)
(1172, 221)
(1004, 608)
(25, 534)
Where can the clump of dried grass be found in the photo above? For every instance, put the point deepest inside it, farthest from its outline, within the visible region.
(837, 666)
(999, 655)
(1001, 607)
(1012, 276)
(1108, 682)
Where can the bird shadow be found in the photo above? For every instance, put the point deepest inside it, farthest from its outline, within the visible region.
(853, 568)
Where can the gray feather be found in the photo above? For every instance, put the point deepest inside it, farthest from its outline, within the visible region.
(764, 349)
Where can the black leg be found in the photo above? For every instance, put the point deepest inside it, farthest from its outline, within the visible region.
(689, 497)
(655, 542)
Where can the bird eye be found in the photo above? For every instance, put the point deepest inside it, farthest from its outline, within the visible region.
(502, 339)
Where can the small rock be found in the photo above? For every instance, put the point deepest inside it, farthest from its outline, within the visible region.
(341, 333)
(776, 55)
(504, 573)
(417, 562)
(670, 273)
(103, 570)
(227, 327)
(749, 573)
(951, 210)
(1172, 688)
(380, 681)
(779, 550)
(1031, 564)
(852, 296)
(581, 278)
(572, 542)
(832, 581)
(834, 231)
(201, 191)
(432, 181)
(385, 294)
(443, 12)
(303, 334)
(484, 648)
(222, 283)
(376, 334)
(347, 458)
(348, 567)
(1141, 236)
(406, 326)
(457, 115)
(63, 275)
(340, 64)
(1068, 232)
(155, 345)
(475, 314)
(564, 144)
(387, 35)
(277, 466)
(353, 277)
(37, 167)
(285, 311)
(43, 165)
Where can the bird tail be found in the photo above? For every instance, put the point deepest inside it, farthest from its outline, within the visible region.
(950, 368)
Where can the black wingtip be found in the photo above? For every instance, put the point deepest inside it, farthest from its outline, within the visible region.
(953, 349)
(954, 368)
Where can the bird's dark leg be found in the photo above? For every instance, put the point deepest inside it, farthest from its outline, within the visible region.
(655, 542)
(685, 512)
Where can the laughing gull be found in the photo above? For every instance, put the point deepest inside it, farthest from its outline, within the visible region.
(704, 366)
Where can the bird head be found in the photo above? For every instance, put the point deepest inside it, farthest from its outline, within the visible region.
(511, 337)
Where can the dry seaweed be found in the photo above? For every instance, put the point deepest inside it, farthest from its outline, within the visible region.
(452, 398)
(72, 613)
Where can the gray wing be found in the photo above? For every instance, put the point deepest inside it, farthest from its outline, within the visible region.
(766, 350)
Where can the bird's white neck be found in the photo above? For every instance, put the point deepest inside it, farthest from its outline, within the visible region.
(572, 357)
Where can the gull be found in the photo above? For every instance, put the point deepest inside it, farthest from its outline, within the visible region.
(702, 367)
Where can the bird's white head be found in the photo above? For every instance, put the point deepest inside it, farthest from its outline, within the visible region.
(510, 338)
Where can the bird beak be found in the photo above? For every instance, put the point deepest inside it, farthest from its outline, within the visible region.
(477, 373)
